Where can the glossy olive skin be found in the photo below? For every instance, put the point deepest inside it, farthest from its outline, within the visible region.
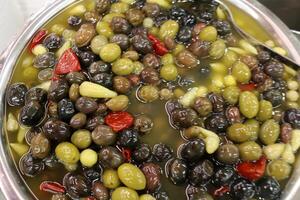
(177, 171)
(36, 94)
(55, 129)
(183, 117)
(32, 114)
(86, 105)
(93, 122)
(268, 188)
(30, 166)
(58, 90)
(162, 152)
(45, 60)
(152, 173)
(99, 191)
(142, 153)
(243, 189)
(143, 124)
(75, 77)
(16, 94)
(40, 146)
(103, 135)
(224, 176)
(110, 157)
(128, 138)
(65, 109)
(193, 150)
(201, 173)
(76, 185)
(292, 116)
(216, 122)
(228, 154)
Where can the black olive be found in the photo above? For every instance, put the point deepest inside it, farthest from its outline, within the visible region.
(142, 153)
(185, 34)
(16, 94)
(86, 105)
(217, 101)
(93, 122)
(192, 151)
(128, 138)
(268, 188)
(59, 89)
(224, 176)
(141, 44)
(76, 77)
(46, 60)
(216, 123)
(274, 69)
(292, 116)
(140, 30)
(263, 56)
(77, 186)
(177, 171)
(275, 96)
(161, 18)
(172, 105)
(36, 94)
(66, 110)
(183, 117)
(110, 157)
(280, 85)
(53, 41)
(74, 21)
(223, 27)
(86, 58)
(30, 166)
(92, 174)
(243, 189)
(177, 13)
(205, 17)
(98, 67)
(201, 173)
(120, 25)
(51, 161)
(188, 20)
(162, 152)
(55, 129)
(122, 40)
(104, 79)
(161, 195)
(32, 114)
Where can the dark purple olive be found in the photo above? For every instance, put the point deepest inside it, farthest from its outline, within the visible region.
(268, 188)
(151, 60)
(16, 94)
(74, 21)
(141, 44)
(30, 166)
(292, 116)
(201, 173)
(218, 102)
(32, 114)
(140, 30)
(183, 117)
(86, 58)
(120, 25)
(193, 150)
(258, 75)
(200, 48)
(100, 192)
(122, 40)
(59, 89)
(216, 122)
(92, 174)
(223, 27)
(177, 171)
(53, 42)
(152, 173)
(142, 153)
(55, 129)
(46, 60)
(243, 189)
(36, 94)
(224, 176)
(103, 135)
(102, 6)
(263, 56)
(110, 157)
(77, 186)
(86, 105)
(75, 77)
(66, 110)
(93, 122)
(162, 152)
(98, 67)
(128, 138)
(150, 75)
(185, 34)
(104, 79)
(274, 69)
(172, 105)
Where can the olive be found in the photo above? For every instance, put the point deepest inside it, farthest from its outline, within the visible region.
(217, 102)
(103, 135)
(224, 176)
(233, 115)
(238, 133)
(67, 153)
(93, 174)
(121, 84)
(74, 20)
(102, 6)
(45, 74)
(193, 150)
(52, 109)
(161, 195)
(78, 120)
(292, 116)
(51, 161)
(148, 93)
(60, 197)
(142, 31)
(75, 77)
(143, 124)
(40, 146)
(104, 79)
(32, 114)
(250, 61)
(128, 138)
(124, 193)
(135, 16)
(269, 132)
(183, 117)
(263, 56)
(268, 188)
(36, 94)
(30, 166)
(76, 185)
(141, 44)
(217, 51)
(177, 171)
(16, 94)
(265, 110)
(201, 173)
(110, 157)
(186, 59)
(81, 138)
(58, 90)
(243, 189)
(216, 122)
(274, 96)
(46, 60)
(110, 179)
(122, 40)
(99, 191)
(274, 69)
(228, 154)
(142, 153)
(171, 105)
(231, 94)
(92, 17)
(185, 34)
(258, 75)
(151, 9)
(151, 60)
(150, 75)
(279, 169)
(86, 58)
(250, 151)
(33, 131)
(223, 27)
(74, 92)
(162, 152)
(200, 48)
(248, 103)
(132, 176)
(55, 129)
(93, 122)
(98, 67)
(120, 25)
(241, 72)
(86, 105)
(53, 41)
(65, 109)
(152, 173)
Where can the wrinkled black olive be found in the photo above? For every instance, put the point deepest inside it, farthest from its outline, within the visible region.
(74, 21)
(53, 41)
(55, 129)
(36, 94)
(224, 176)
(76, 77)
(172, 105)
(161, 18)
(141, 44)
(32, 114)
(86, 105)
(120, 25)
(201, 173)
(86, 58)
(184, 34)
(268, 188)
(92, 174)
(188, 20)
(292, 116)
(205, 17)
(93, 122)
(217, 101)
(98, 67)
(274, 96)
(216, 123)
(162, 152)
(243, 189)
(183, 117)
(104, 79)
(76, 185)
(30, 166)
(65, 109)
(51, 161)
(128, 138)
(177, 13)
(142, 153)
(46, 60)
(16, 94)
(193, 150)
(59, 89)
(177, 171)
(223, 27)
(110, 157)
(274, 69)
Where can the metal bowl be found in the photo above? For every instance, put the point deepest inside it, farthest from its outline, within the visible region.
(13, 185)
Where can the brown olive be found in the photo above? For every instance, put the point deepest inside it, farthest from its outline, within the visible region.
(152, 173)
(55, 129)
(110, 157)
(258, 76)
(85, 34)
(150, 75)
(143, 124)
(203, 106)
(120, 25)
(30, 166)
(141, 44)
(91, 17)
(217, 101)
(78, 121)
(183, 117)
(86, 105)
(93, 122)
(52, 109)
(286, 133)
(121, 84)
(186, 59)
(46, 60)
(200, 48)
(177, 171)
(170, 43)
(201, 173)
(122, 40)
(75, 77)
(40, 146)
(233, 115)
(98, 67)
(76, 185)
(32, 114)
(151, 9)
(103, 135)
(228, 154)
(101, 110)
(151, 60)
(135, 16)
(58, 90)
(102, 6)
(74, 92)
(99, 191)
(250, 61)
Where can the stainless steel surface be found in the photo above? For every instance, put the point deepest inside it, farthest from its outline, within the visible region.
(12, 184)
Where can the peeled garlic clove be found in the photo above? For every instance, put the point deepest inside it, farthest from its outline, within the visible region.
(288, 154)
(295, 141)
(21, 134)
(12, 123)
(188, 98)
(274, 151)
(248, 47)
(211, 139)
(89, 89)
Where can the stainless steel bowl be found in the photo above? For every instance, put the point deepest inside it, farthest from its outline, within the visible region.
(13, 185)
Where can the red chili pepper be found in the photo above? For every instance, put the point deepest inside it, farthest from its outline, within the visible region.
(126, 154)
(38, 38)
(158, 46)
(221, 191)
(119, 120)
(252, 170)
(247, 87)
(52, 187)
(68, 62)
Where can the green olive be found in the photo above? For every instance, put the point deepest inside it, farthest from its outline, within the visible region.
(169, 29)
(265, 110)
(231, 94)
(148, 93)
(279, 169)
(123, 66)
(253, 128)
(229, 58)
(167, 59)
(103, 28)
(209, 33)
(88, 157)
(169, 72)
(241, 72)
(124, 193)
(217, 49)
(119, 7)
(248, 104)
(132, 176)
(238, 133)
(118, 103)
(97, 43)
(269, 132)
(147, 197)
(110, 179)
(66, 152)
(110, 52)
(250, 151)
(81, 138)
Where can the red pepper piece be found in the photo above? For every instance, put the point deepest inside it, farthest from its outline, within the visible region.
(247, 87)
(221, 191)
(158, 46)
(52, 187)
(126, 154)
(38, 38)
(68, 62)
(252, 170)
(119, 120)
